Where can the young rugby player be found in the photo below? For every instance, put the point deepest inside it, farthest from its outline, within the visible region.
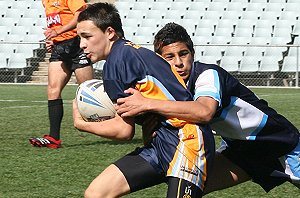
(181, 154)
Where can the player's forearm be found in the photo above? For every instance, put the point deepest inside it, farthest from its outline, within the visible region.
(111, 129)
(191, 111)
(69, 26)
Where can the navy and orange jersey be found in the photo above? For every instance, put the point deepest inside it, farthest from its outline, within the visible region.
(61, 12)
(180, 149)
(130, 65)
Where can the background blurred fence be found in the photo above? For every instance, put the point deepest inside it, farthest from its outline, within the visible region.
(27, 62)
(253, 65)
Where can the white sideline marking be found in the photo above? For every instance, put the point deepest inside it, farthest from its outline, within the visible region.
(34, 101)
(19, 107)
(29, 106)
(21, 101)
(277, 94)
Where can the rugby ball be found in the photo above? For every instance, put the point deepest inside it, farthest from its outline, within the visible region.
(94, 105)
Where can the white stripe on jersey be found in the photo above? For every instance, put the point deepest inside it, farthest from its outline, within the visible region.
(239, 120)
(205, 86)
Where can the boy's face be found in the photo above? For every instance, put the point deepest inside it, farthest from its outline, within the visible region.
(180, 57)
(95, 43)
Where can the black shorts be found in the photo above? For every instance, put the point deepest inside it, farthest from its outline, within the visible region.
(267, 171)
(140, 175)
(70, 53)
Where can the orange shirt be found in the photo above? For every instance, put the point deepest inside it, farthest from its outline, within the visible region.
(59, 13)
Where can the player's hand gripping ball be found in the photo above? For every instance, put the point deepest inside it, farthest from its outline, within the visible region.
(94, 105)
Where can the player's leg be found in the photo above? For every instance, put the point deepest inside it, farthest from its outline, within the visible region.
(84, 73)
(178, 187)
(129, 174)
(80, 63)
(110, 183)
(58, 77)
(225, 174)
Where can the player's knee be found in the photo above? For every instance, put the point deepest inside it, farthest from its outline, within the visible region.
(91, 193)
(54, 93)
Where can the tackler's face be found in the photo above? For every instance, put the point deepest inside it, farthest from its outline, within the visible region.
(180, 57)
(95, 43)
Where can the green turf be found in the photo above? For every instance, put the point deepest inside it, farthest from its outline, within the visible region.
(38, 172)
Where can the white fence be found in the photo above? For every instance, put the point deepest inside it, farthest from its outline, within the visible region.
(253, 65)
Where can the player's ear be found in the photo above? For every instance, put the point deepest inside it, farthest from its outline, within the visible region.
(111, 32)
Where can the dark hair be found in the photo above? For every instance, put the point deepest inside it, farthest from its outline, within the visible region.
(103, 15)
(172, 33)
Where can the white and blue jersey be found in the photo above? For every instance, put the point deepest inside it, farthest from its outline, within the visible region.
(255, 136)
(240, 115)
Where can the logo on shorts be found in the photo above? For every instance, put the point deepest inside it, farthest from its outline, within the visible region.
(188, 192)
(82, 62)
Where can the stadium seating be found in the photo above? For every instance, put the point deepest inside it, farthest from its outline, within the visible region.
(230, 63)
(3, 60)
(19, 20)
(290, 64)
(249, 63)
(269, 64)
(237, 22)
(274, 23)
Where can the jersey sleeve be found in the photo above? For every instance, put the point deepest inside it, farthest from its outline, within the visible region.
(208, 84)
(121, 74)
(75, 5)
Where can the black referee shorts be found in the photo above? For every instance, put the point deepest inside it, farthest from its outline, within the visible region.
(70, 53)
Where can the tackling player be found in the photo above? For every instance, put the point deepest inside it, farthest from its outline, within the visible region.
(181, 153)
(258, 143)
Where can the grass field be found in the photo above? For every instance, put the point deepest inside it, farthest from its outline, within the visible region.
(38, 172)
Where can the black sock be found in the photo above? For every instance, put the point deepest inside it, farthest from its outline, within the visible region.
(55, 112)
